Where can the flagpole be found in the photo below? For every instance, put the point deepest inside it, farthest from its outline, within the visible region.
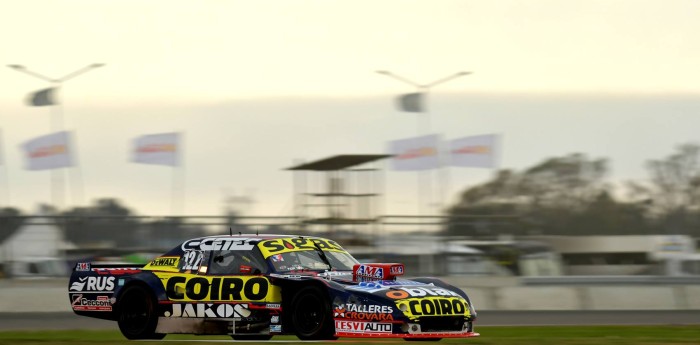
(56, 124)
(425, 176)
(425, 89)
(6, 177)
(76, 178)
(71, 176)
(57, 175)
(177, 202)
(173, 192)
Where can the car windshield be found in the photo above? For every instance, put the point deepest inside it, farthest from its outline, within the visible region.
(341, 261)
(311, 260)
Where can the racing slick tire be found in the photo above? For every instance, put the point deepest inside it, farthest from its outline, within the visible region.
(251, 337)
(137, 317)
(311, 315)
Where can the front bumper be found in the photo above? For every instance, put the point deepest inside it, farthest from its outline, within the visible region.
(398, 329)
(408, 335)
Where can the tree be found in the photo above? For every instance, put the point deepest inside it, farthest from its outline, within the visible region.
(562, 195)
(676, 179)
(10, 221)
(675, 190)
(106, 223)
(569, 182)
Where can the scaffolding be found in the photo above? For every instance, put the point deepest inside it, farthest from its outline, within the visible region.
(338, 193)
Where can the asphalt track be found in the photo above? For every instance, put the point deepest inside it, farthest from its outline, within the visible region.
(70, 321)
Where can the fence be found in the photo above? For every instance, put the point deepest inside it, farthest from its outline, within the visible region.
(36, 238)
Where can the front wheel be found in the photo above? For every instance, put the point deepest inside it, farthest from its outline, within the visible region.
(137, 314)
(311, 315)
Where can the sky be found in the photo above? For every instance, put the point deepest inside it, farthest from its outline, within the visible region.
(256, 86)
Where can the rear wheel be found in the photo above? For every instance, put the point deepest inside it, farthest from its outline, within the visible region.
(137, 314)
(311, 315)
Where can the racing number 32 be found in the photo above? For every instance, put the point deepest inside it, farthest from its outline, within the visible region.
(191, 260)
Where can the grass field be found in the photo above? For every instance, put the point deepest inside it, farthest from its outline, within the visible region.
(583, 335)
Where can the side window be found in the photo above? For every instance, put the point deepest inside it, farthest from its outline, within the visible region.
(236, 262)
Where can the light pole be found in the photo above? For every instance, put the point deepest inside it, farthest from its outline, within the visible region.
(425, 89)
(56, 120)
(56, 115)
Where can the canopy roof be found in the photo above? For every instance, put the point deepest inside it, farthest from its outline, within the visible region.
(339, 162)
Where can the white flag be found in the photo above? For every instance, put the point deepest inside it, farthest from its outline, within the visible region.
(420, 153)
(161, 149)
(479, 151)
(48, 152)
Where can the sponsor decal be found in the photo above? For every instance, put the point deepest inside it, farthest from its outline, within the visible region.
(369, 312)
(400, 283)
(397, 270)
(93, 284)
(369, 308)
(82, 266)
(362, 327)
(275, 328)
(287, 276)
(172, 261)
(219, 243)
(275, 319)
(417, 153)
(190, 287)
(117, 271)
(46, 151)
(374, 286)
(152, 148)
(208, 310)
(366, 288)
(370, 272)
(100, 303)
(79, 285)
(477, 149)
(334, 274)
(397, 294)
(284, 245)
(433, 306)
(406, 292)
(273, 306)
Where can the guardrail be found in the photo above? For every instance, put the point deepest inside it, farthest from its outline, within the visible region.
(610, 280)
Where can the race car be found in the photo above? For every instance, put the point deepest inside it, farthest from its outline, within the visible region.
(254, 287)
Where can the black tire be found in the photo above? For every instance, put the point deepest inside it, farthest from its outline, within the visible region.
(422, 339)
(251, 337)
(137, 317)
(311, 315)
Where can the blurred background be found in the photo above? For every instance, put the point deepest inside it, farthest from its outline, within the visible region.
(542, 155)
